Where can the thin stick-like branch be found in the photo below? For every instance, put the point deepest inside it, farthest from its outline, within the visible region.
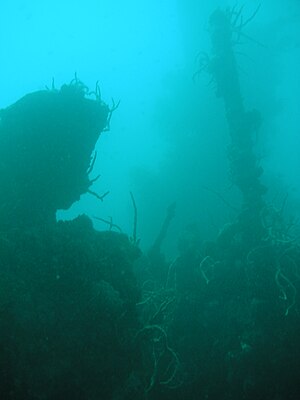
(242, 25)
(110, 112)
(90, 169)
(134, 219)
(97, 195)
(94, 179)
(110, 223)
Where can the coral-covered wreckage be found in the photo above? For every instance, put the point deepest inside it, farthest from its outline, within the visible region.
(230, 307)
(46, 142)
(67, 292)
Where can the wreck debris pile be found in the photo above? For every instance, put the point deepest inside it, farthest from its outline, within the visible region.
(67, 292)
(46, 142)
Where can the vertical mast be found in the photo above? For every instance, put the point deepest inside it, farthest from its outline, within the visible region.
(245, 170)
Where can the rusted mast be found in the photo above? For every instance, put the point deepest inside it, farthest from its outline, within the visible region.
(245, 170)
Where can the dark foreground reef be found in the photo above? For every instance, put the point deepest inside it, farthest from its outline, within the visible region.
(67, 311)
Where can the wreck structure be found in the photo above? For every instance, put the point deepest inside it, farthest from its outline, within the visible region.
(46, 143)
(67, 291)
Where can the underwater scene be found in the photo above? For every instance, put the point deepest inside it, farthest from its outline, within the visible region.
(150, 200)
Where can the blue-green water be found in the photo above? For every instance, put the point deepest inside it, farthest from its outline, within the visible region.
(183, 283)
